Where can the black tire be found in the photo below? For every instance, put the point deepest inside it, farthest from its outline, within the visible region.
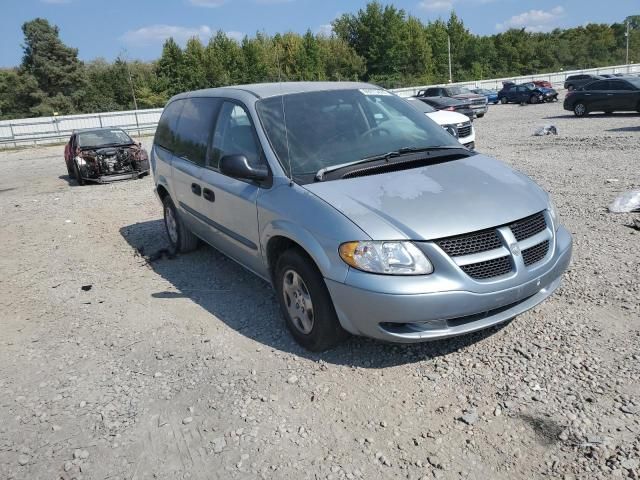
(76, 171)
(480, 115)
(570, 88)
(70, 171)
(504, 100)
(325, 330)
(533, 99)
(183, 241)
(580, 109)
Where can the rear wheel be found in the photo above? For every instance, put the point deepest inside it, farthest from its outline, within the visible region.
(181, 239)
(503, 100)
(305, 302)
(580, 109)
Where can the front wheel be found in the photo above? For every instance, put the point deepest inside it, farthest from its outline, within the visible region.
(305, 303)
(580, 109)
(533, 99)
(503, 100)
(180, 238)
(77, 175)
(70, 171)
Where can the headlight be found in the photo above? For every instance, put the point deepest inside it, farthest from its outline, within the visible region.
(553, 213)
(451, 129)
(389, 258)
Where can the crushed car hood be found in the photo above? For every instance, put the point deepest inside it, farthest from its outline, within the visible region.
(435, 201)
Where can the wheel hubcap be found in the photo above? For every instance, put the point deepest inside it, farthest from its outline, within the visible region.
(298, 301)
(171, 224)
(580, 109)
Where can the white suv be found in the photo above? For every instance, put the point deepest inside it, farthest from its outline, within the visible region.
(456, 124)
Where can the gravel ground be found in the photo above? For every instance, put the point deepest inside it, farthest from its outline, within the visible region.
(182, 368)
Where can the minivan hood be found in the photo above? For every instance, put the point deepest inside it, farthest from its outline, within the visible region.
(435, 201)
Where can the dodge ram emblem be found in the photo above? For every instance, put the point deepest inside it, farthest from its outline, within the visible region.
(515, 249)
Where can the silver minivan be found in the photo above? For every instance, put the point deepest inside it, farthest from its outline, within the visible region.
(366, 216)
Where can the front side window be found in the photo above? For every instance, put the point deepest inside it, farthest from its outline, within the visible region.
(328, 128)
(599, 85)
(234, 135)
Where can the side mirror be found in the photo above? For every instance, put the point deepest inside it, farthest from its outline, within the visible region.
(237, 166)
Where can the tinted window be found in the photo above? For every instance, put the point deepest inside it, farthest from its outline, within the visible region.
(194, 129)
(599, 85)
(620, 85)
(166, 130)
(432, 92)
(234, 134)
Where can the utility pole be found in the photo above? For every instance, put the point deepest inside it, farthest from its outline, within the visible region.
(627, 35)
(449, 49)
(133, 91)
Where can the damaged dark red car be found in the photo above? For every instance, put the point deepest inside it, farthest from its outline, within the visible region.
(104, 155)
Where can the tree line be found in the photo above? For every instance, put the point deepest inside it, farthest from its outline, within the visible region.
(380, 44)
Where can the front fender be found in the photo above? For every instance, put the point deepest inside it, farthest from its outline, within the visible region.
(293, 212)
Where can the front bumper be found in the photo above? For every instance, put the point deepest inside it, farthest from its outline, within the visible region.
(117, 177)
(448, 311)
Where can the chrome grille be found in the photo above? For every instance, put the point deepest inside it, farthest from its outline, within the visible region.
(464, 129)
(489, 269)
(478, 101)
(471, 243)
(528, 227)
(536, 253)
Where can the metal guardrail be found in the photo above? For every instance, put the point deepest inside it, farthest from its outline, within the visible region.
(47, 130)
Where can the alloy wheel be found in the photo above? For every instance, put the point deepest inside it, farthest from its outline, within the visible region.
(298, 301)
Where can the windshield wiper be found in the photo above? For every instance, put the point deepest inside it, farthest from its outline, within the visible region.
(383, 156)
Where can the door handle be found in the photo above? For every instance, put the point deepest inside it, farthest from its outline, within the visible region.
(196, 189)
(209, 195)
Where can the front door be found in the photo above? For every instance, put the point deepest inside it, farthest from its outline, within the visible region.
(229, 203)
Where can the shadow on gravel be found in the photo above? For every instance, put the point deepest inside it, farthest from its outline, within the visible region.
(546, 430)
(69, 180)
(625, 129)
(247, 304)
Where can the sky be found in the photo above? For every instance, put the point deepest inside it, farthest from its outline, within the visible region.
(136, 29)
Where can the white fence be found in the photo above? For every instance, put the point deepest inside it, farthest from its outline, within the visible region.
(42, 130)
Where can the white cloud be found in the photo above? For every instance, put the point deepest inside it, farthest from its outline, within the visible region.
(155, 34)
(436, 5)
(534, 20)
(207, 3)
(326, 30)
(235, 35)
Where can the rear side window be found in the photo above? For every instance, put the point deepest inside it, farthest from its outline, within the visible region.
(620, 85)
(195, 128)
(166, 130)
(234, 135)
(598, 85)
(432, 91)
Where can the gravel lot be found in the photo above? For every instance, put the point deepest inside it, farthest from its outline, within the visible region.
(182, 368)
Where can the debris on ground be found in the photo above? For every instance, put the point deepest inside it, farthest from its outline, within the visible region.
(86, 288)
(627, 202)
(546, 130)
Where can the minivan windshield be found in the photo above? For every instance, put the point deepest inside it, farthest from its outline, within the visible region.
(328, 128)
